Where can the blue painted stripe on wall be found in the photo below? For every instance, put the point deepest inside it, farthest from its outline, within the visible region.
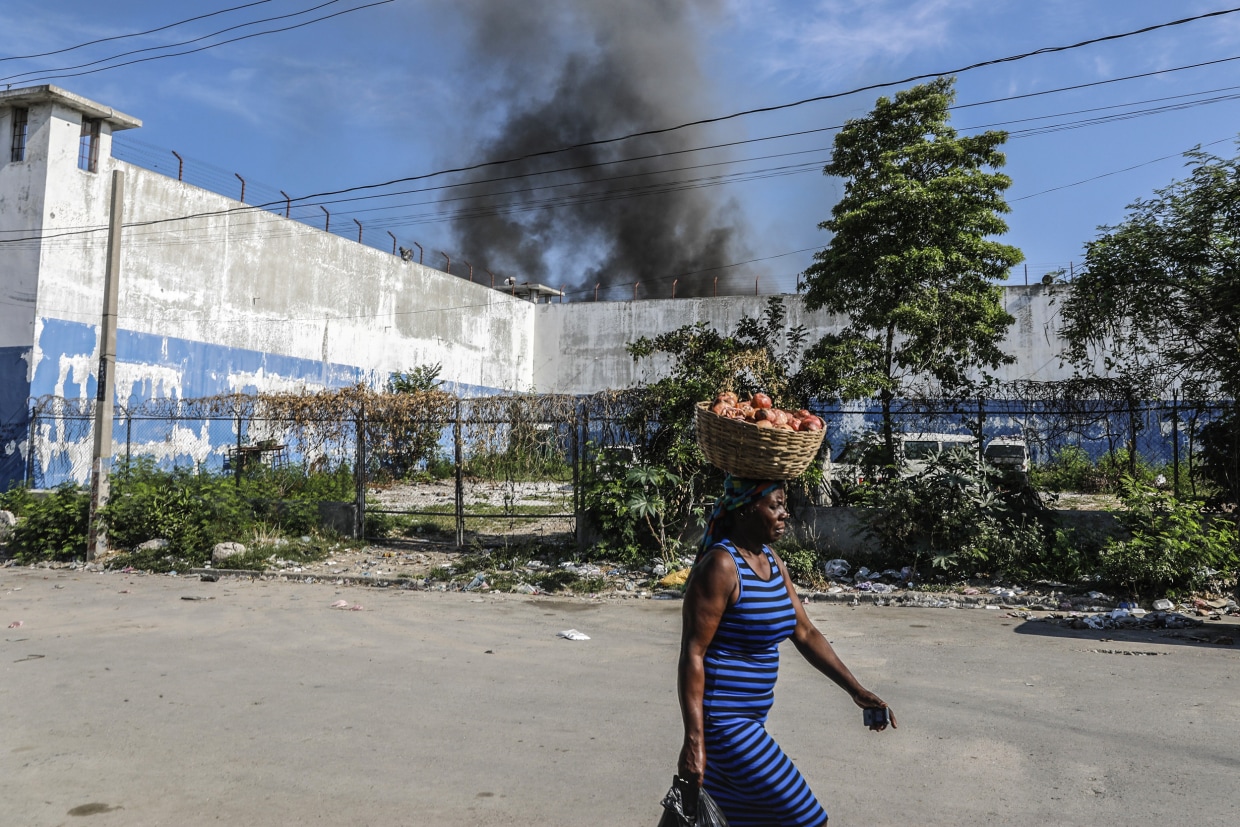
(14, 414)
(205, 369)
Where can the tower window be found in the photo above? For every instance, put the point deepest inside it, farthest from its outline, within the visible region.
(88, 145)
(21, 128)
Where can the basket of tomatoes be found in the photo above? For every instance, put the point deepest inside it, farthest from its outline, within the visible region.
(752, 438)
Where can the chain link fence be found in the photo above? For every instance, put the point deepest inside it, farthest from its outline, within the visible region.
(496, 469)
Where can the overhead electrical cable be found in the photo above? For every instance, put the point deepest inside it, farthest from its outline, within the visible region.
(588, 197)
(303, 24)
(484, 164)
(1116, 171)
(122, 140)
(258, 22)
(132, 34)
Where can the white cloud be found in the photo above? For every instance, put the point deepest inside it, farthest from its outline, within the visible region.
(830, 38)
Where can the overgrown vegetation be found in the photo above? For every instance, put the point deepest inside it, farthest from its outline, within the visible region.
(1171, 545)
(956, 516)
(52, 526)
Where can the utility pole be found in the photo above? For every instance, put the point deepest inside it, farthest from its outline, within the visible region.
(101, 454)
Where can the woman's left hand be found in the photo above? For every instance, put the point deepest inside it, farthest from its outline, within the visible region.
(868, 700)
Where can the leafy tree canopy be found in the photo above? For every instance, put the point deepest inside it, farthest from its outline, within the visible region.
(911, 263)
(1159, 295)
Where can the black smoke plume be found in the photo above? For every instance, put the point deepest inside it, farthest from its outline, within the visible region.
(557, 73)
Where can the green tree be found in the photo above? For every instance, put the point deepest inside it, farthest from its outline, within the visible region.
(1162, 289)
(911, 262)
(1158, 299)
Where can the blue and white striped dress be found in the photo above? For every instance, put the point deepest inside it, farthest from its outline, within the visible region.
(747, 773)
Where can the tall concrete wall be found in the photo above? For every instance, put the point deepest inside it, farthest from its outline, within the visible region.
(240, 299)
(580, 348)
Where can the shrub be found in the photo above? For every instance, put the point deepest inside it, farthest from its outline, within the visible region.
(955, 515)
(1069, 469)
(192, 511)
(1171, 544)
(50, 527)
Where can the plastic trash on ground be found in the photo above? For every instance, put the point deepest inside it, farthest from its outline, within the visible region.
(573, 634)
(836, 568)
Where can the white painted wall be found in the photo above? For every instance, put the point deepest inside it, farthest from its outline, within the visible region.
(580, 348)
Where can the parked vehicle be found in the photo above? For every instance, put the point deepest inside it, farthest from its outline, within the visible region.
(858, 463)
(918, 449)
(1008, 453)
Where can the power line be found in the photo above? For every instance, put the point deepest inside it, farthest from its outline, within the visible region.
(1045, 50)
(133, 34)
(1116, 171)
(213, 45)
(778, 107)
(165, 46)
(122, 140)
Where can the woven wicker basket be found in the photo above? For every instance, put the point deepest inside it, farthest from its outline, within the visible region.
(745, 450)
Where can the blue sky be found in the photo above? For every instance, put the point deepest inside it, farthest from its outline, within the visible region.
(407, 88)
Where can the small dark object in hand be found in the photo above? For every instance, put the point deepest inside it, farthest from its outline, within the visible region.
(876, 716)
(687, 806)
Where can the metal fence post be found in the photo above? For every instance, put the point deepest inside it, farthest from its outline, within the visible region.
(34, 425)
(128, 437)
(237, 456)
(359, 476)
(575, 447)
(582, 442)
(1175, 442)
(458, 449)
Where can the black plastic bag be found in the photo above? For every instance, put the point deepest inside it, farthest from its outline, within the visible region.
(687, 806)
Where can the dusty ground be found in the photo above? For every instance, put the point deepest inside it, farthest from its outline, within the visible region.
(137, 700)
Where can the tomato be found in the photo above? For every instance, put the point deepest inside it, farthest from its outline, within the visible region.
(760, 400)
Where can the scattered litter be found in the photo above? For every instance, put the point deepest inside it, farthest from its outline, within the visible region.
(479, 582)
(1163, 605)
(1123, 619)
(344, 604)
(17, 624)
(674, 579)
(836, 568)
(195, 597)
(573, 634)
(209, 578)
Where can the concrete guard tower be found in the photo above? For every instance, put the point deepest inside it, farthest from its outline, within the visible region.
(55, 169)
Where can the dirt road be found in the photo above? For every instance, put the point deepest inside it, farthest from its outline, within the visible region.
(123, 703)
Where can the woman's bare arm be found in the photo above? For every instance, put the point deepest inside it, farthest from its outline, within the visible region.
(711, 588)
(818, 651)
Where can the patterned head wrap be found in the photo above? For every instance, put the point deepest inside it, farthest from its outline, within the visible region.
(737, 493)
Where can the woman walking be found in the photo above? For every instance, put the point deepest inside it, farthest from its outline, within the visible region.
(739, 606)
